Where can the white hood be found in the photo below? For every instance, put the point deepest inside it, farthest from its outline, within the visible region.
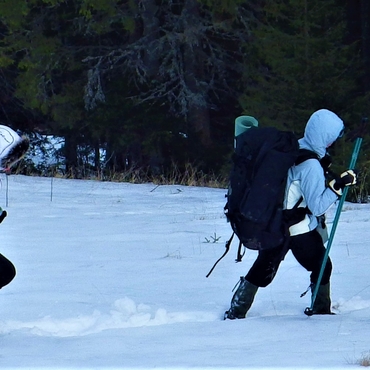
(322, 129)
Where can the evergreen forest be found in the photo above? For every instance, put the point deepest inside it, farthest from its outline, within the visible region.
(157, 84)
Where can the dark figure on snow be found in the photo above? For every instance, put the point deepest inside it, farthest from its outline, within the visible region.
(306, 184)
(12, 149)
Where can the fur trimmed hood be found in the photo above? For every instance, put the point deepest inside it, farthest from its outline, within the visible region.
(12, 147)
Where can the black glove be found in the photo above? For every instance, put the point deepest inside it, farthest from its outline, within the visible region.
(347, 178)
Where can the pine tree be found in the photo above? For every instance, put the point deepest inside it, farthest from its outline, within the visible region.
(301, 63)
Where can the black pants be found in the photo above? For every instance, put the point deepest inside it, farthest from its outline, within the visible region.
(308, 250)
(7, 271)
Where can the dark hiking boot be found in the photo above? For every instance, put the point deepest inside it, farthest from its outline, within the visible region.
(322, 304)
(242, 300)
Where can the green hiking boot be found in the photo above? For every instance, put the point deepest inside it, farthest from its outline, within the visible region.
(322, 304)
(242, 300)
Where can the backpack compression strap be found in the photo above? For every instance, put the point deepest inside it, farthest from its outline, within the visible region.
(227, 247)
(240, 255)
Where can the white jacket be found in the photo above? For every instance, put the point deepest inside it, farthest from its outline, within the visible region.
(307, 179)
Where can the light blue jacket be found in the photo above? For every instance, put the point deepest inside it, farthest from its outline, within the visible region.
(307, 179)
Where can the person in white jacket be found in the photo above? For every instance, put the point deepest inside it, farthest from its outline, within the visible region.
(307, 196)
(12, 148)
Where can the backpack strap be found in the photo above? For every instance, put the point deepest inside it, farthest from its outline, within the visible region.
(240, 255)
(304, 155)
(300, 200)
(227, 247)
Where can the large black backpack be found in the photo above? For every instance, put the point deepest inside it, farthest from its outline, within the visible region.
(255, 197)
(254, 208)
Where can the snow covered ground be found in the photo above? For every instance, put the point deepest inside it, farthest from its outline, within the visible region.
(112, 275)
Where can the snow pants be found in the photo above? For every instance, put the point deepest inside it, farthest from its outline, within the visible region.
(309, 251)
(7, 271)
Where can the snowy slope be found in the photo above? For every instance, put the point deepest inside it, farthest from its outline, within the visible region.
(113, 275)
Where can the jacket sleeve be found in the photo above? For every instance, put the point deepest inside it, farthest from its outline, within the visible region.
(319, 198)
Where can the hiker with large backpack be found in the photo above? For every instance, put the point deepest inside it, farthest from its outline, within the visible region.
(307, 196)
(12, 148)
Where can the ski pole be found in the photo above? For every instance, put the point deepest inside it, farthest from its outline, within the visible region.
(309, 310)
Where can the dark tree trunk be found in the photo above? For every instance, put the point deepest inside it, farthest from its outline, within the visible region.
(150, 33)
(354, 20)
(358, 17)
(70, 152)
(198, 111)
(97, 156)
(365, 25)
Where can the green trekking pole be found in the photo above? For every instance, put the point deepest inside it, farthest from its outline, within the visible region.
(309, 310)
